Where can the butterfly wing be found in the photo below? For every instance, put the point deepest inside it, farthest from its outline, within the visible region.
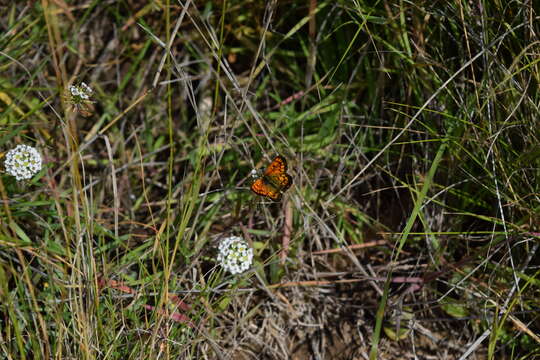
(276, 174)
(277, 166)
(266, 189)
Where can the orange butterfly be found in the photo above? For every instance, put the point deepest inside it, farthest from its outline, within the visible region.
(274, 180)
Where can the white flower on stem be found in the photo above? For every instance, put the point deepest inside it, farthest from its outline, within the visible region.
(79, 97)
(74, 90)
(23, 162)
(86, 91)
(235, 255)
(81, 91)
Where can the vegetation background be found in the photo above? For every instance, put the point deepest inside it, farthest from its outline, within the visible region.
(411, 129)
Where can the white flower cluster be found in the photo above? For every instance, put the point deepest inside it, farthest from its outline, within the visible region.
(81, 91)
(235, 255)
(23, 162)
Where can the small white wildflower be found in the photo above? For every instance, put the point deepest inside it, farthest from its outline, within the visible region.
(87, 89)
(80, 92)
(79, 97)
(235, 255)
(74, 90)
(23, 162)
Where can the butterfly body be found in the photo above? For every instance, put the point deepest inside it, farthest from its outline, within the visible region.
(274, 180)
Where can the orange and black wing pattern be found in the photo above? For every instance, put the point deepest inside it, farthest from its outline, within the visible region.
(274, 180)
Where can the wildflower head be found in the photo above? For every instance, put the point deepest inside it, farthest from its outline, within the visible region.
(79, 96)
(235, 255)
(81, 91)
(23, 162)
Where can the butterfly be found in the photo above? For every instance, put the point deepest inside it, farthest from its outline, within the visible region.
(274, 180)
